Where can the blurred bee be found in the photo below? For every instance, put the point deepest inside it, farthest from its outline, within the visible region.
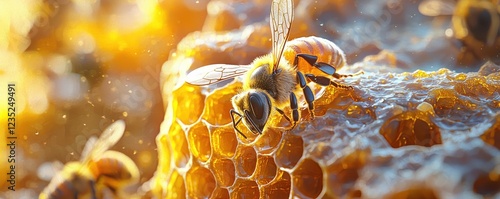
(98, 171)
(271, 83)
(476, 23)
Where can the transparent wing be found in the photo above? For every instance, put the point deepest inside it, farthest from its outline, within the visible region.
(434, 8)
(47, 170)
(110, 136)
(88, 147)
(211, 74)
(280, 21)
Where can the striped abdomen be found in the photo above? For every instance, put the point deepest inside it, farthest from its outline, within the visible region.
(325, 50)
(115, 170)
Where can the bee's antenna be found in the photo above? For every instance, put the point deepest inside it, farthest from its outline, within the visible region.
(235, 124)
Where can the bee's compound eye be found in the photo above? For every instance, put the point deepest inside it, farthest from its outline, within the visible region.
(479, 23)
(257, 106)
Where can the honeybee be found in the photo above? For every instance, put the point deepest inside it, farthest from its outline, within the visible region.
(271, 83)
(476, 23)
(98, 169)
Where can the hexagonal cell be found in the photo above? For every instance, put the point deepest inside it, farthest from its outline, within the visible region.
(474, 86)
(218, 104)
(290, 151)
(492, 135)
(244, 189)
(224, 141)
(443, 98)
(268, 141)
(266, 170)
(279, 188)
(178, 142)
(224, 171)
(414, 192)
(199, 142)
(245, 161)
(188, 103)
(343, 173)
(355, 193)
(307, 179)
(411, 128)
(200, 182)
(220, 193)
(175, 187)
(487, 184)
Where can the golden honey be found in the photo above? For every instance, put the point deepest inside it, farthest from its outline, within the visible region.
(389, 123)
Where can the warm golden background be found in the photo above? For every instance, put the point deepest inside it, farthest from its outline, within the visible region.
(79, 65)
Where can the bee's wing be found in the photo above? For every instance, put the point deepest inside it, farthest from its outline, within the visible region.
(110, 136)
(211, 74)
(88, 147)
(434, 8)
(280, 21)
(47, 170)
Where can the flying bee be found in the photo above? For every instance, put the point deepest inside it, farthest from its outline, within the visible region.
(97, 169)
(271, 83)
(476, 23)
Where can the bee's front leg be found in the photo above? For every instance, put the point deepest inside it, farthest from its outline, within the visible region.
(295, 112)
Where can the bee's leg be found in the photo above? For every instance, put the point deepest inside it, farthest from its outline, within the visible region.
(324, 67)
(92, 188)
(295, 112)
(312, 60)
(340, 76)
(308, 94)
(283, 114)
(324, 81)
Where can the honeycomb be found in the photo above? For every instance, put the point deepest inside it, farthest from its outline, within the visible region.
(420, 134)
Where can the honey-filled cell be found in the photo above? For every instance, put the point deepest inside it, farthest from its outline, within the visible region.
(411, 128)
(220, 193)
(414, 192)
(492, 135)
(307, 179)
(266, 170)
(245, 161)
(344, 172)
(475, 86)
(199, 142)
(218, 104)
(243, 188)
(267, 143)
(289, 151)
(279, 188)
(176, 187)
(188, 103)
(179, 144)
(488, 184)
(224, 171)
(224, 141)
(200, 182)
(443, 99)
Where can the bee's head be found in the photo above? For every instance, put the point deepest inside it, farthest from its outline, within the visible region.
(254, 109)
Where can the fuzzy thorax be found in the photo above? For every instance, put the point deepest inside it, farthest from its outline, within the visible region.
(278, 86)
